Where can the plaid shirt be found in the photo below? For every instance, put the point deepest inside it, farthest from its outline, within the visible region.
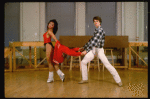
(96, 41)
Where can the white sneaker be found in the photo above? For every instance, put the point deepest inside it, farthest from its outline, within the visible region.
(62, 77)
(50, 80)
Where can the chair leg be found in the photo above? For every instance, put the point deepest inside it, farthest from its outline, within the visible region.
(103, 64)
(88, 66)
(80, 62)
(98, 64)
(71, 62)
(112, 58)
(103, 67)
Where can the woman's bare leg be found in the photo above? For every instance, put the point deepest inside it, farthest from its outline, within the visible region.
(48, 57)
(51, 68)
(48, 54)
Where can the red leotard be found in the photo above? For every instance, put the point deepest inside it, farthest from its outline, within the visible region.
(46, 40)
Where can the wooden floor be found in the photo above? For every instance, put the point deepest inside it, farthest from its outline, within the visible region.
(101, 84)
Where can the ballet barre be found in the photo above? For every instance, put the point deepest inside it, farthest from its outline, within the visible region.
(136, 43)
(8, 53)
(34, 66)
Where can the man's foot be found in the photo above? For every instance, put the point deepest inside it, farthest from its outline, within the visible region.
(120, 84)
(83, 81)
(62, 77)
(50, 80)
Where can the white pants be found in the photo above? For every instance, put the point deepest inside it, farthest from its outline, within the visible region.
(90, 55)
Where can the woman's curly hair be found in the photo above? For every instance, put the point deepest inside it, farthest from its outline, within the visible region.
(55, 25)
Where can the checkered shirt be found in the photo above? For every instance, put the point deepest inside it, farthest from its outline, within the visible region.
(97, 40)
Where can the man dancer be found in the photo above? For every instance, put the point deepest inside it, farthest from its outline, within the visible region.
(95, 44)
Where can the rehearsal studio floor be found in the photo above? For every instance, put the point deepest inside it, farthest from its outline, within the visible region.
(101, 84)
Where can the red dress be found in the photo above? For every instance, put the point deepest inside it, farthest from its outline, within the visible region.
(60, 49)
(56, 55)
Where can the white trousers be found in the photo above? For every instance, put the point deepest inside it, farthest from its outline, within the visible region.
(90, 55)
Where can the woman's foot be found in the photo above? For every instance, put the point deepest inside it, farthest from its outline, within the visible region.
(62, 77)
(49, 80)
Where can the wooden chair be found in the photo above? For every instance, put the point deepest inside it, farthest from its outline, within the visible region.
(97, 59)
(111, 56)
(74, 41)
(110, 41)
(73, 59)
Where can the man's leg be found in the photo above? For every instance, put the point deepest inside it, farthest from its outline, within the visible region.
(87, 58)
(106, 63)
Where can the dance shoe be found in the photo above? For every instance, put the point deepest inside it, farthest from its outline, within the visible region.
(62, 77)
(50, 80)
(83, 81)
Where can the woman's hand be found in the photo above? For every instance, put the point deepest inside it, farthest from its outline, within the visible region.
(81, 49)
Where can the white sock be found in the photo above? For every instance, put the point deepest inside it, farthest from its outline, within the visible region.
(50, 75)
(59, 72)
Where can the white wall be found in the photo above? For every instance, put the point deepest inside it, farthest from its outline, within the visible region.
(42, 20)
(130, 18)
(140, 20)
(119, 19)
(80, 18)
(32, 21)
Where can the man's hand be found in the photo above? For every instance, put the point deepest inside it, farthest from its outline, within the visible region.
(83, 53)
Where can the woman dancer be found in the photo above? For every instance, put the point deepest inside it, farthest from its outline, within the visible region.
(52, 28)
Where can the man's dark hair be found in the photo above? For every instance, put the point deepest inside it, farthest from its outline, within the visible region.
(97, 18)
